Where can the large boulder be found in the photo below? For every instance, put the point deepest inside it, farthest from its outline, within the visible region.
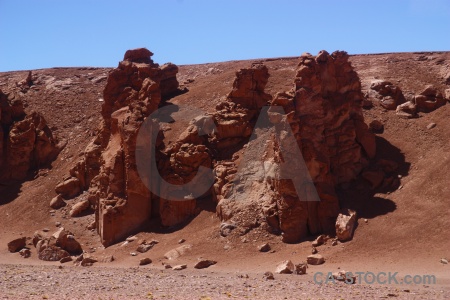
(345, 225)
(429, 99)
(66, 240)
(388, 94)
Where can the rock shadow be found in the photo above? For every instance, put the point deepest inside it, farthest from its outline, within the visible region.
(371, 201)
(9, 192)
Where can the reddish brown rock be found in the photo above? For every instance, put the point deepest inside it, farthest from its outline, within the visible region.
(315, 259)
(108, 168)
(407, 110)
(52, 253)
(429, 99)
(204, 263)
(17, 244)
(29, 142)
(324, 115)
(389, 95)
(345, 225)
(139, 55)
(66, 240)
(57, 202)
(285, 267)
(79, 207)
(68, 188)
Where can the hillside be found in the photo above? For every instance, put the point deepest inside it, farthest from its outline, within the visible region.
(406, 228)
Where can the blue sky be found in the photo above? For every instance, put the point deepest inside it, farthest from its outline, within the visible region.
(48, 33)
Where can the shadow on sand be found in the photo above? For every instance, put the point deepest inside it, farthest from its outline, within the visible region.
(371, 202)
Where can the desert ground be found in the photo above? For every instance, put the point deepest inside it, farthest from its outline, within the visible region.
(405, 230)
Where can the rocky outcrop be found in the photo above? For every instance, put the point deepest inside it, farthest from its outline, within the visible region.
(429, 99)
(108, 169)
(388, 94)
(320, 141)
(309, 140)
(26, 142)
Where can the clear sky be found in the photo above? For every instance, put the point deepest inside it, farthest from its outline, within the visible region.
(55, 33)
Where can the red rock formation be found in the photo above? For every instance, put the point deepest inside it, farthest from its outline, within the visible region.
(266, 186)
(26, 142)
(324, 115)
(133, 91)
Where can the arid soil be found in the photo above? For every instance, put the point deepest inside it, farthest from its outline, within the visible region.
(403, 230)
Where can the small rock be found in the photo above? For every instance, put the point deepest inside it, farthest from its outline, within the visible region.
(167, 266)
(320, 240)
(65, 259)
(300, 269)
(131, 239)
(431, 125)
(145, 261)
(181, 241)
(25, 253)
(226, 228)
(57, 202)
(145, 246)
(17, 244)
(366, 221)
(264, 248)
(107, 259)
(92, 225)
(57, 224)
(344, 276)
(133, 253)
(177, 252)
(45, 230)
(268, 276)
(407, 110)
(376, 126)
(286, 267)
(315, 259)
(80, 207)
(392, 295)
(88, 261)
(226, 247)
(69, 188)
(444, 261)
(179, 267)
(334, 243)
(314, 250)
(202, 264)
